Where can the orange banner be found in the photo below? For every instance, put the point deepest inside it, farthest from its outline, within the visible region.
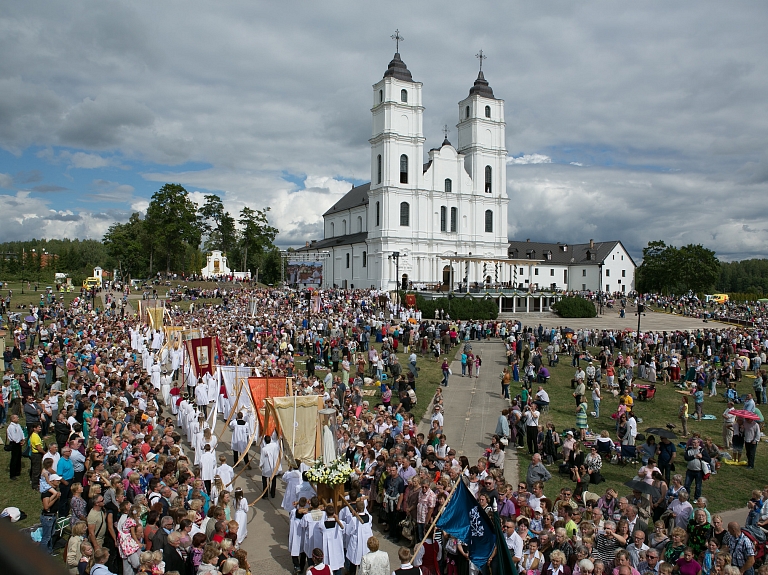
(262, 388)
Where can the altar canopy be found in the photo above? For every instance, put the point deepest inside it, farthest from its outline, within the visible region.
(298, 420)
(234, 377)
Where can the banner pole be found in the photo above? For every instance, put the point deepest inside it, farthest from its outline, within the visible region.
(434, 521)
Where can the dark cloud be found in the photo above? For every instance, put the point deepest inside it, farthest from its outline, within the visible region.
(658, 106)
(64, 217)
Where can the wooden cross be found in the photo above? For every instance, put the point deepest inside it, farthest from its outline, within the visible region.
(480, 56)
(445, 131)
(397, 38)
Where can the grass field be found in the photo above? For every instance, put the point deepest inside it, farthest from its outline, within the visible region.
(730, 488)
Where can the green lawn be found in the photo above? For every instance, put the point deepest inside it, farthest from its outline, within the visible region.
(730, 489)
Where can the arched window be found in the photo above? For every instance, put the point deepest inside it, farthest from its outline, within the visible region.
(448, 185)
(344, 227)
(403, 95)
(443, 219)
(378, 169)
(347, 260)
(467, 112)
(405, 214)
(454, 219)
(365, 259)
(489, 221)
(359, 223)
(403, 169)
(381, 96)
(333, 232)
(488, 179)
(487, 111)
(378, 214)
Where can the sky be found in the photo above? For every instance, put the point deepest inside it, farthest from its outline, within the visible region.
(631, 121)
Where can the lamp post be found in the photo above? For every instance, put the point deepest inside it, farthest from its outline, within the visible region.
(23, 257)
(396, 256)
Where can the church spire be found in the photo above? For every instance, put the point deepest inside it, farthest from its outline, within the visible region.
(397, 68)
(481, 86)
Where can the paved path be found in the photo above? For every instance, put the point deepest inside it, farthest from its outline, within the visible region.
(473, 406)
(651, 321)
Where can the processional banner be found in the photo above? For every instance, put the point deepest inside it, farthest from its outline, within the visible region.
(202, 353)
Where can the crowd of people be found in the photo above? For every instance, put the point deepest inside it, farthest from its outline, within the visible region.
(117, 438)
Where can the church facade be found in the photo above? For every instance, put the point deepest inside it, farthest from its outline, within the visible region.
(399, 229)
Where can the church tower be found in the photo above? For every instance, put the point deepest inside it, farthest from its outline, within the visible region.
(397, 145)
(482, 137)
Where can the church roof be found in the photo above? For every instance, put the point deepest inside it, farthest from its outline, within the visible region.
(349, 239)
(357, 196)
(481, 87)
(398, 69)
(564, 254)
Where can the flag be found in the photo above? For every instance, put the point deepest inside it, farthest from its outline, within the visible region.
(502, 563)
(466, 521)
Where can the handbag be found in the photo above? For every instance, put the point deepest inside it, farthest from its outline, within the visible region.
(7, 447)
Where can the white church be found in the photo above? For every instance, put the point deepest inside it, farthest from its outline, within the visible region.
(440, 225)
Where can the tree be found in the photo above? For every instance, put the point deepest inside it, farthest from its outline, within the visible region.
(656, 273)
(172, 219)
(697, 267)
(257, 237)
(126, 244)
(219, 225)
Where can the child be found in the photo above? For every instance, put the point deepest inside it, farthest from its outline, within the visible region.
(333, 538)
(755, 505)
(146, 563)
(296, 535)
(86, 558)
(158, 565)
(536, 521)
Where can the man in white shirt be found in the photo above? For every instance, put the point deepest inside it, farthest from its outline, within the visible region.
(15, 438)
(513, 540)
(542, 398)
(53, 453)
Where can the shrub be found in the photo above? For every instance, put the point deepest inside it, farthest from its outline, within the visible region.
(575, 307)
(459, 307)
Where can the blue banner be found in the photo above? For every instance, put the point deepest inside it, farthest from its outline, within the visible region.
(466, 521)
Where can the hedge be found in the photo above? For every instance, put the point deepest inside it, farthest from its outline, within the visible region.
(575, 307)
(459, 307)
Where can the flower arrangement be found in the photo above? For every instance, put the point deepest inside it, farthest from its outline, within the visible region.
(335, 473)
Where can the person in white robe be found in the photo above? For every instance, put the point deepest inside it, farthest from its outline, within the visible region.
(181, 417)
(296, 535)
(358, 529)
(201, 398)
(165, 388)
(155, 377)
(175, 361)
(269, 462)
(239, 427)
(333, 539)
(241, 515)
(197, 435)
(207, 467)
(313, 535)
(157, 340)
(292, 481)
(213, 387)
(225, 471)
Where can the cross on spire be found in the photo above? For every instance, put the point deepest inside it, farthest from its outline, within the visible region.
(445, 131)
(480, 56)
(397, 38)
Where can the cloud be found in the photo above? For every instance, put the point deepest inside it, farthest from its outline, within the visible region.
(85, 161)
(530, 159)
(102, 122)
(6, 181)
(275, 92)
(45, 188)
(66, 216)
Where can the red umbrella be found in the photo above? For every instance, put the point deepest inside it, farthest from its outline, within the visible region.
(745, 414)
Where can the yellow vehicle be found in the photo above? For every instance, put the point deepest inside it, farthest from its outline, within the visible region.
(719, 298)
(88, 283)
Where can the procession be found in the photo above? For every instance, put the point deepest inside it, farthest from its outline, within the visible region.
(167, 437)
